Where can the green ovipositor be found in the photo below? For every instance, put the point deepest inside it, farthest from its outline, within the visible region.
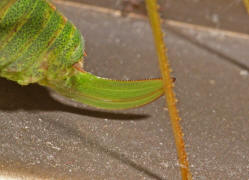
(39, 45)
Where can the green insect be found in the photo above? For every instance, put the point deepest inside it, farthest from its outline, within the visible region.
(39, 45)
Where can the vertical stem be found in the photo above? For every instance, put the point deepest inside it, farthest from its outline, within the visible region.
(168, 87)
(246, 2)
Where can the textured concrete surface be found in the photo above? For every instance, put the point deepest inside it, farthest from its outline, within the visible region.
(48, 136)
(222, 14)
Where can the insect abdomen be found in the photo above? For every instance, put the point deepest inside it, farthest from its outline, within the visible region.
(36, 40)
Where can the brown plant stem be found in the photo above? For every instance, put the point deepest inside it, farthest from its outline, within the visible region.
(246, 2)
(168, 87)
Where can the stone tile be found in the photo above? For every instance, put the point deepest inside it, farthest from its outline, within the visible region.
(223, 14)
(48, 136)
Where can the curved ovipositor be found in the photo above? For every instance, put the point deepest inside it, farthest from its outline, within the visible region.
(39, 45)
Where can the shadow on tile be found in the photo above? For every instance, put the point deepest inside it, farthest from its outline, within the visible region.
(37, 98)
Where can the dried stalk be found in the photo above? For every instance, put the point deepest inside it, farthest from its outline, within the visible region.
(168, 87)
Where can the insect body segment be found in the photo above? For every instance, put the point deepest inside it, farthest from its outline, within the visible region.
(39, 45)
(106, 93)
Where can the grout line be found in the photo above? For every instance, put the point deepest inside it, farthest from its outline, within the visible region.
(89, 7)
(171, 23)
(16, 176)
(232, 34)
(209, 49)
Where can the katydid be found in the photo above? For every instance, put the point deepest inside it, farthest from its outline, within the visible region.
(39, 45)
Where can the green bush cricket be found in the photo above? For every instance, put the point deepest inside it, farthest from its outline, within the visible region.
(39, 45)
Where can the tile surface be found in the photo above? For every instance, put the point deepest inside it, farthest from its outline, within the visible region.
(222, 14)
(48, 136)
